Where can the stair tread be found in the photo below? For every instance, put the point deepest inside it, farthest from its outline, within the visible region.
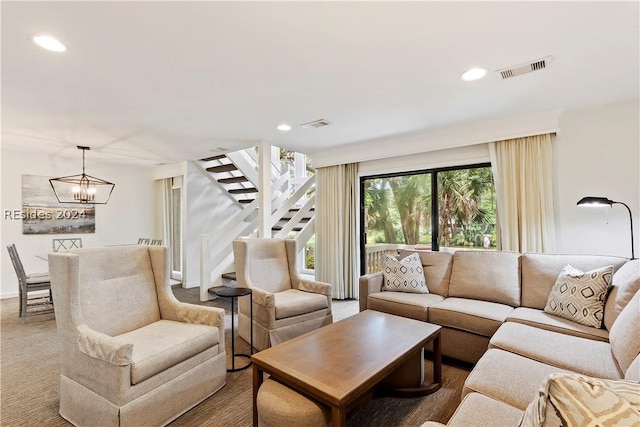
(279, 227)
(243, 190)
(222, 168)
(210, 159)
(246, 200)
(233, 180)
(229, 276)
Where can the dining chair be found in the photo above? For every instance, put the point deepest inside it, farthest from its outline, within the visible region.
(62, 245)
(143, 241)
(28, 283)
(156, 242)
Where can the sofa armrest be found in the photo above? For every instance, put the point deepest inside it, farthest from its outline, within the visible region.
(103, 347)
(315, 287)
(369, 284)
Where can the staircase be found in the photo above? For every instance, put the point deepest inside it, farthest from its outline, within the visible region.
(292, 207)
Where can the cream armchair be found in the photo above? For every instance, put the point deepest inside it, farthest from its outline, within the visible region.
(132, 354)
(284, 304)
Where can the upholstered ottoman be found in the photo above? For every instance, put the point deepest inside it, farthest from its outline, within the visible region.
(280, 406)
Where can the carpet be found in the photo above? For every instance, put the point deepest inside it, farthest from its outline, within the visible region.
(30, 368)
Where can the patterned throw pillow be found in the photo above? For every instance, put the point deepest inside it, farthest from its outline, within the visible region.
(580, 296)
(575, 400)
(405, 275)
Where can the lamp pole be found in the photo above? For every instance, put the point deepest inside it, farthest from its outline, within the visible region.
(633, 255)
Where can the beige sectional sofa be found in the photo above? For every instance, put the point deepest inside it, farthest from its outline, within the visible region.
(490, 305)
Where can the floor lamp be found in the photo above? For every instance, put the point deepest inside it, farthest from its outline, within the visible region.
(603, 201)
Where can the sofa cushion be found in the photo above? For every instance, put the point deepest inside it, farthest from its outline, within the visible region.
(437, 269)
(508, 377)
(486, 275)
(633, 372)
(540, 271)
(580, 355)
(414, 306)
(479, 317)
(625, 284)
(405, 275)
(540, 319)
(479, 410)
(294, 302)
(578, 400)
(165, 343)
(580, 296)
(624, 335)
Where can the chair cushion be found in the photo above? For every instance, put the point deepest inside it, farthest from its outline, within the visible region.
(580, 296)
(267, 264)
(487, 276)
(414, 306)
(578, 400)
(540, 319)
(294, 302)
(625, 284)
(405, 275)
(580, 355)
(479, 317)
(36, 278)
(165, 343)
(117, 290)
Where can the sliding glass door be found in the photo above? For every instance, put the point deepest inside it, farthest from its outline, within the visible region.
(399, 211)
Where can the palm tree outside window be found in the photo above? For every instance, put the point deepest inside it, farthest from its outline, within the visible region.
(398, 211)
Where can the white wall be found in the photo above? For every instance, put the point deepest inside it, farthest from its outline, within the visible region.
(596, 153)
(130, 213)
(208, 207)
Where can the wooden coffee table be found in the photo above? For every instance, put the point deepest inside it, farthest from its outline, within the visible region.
(339, 364)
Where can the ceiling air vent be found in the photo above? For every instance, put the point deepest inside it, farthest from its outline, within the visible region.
(527, 67)
(316, 124)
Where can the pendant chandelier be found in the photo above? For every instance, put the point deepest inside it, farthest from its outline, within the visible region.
(83, 188)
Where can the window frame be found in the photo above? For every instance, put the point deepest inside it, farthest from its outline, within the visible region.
(435, 203)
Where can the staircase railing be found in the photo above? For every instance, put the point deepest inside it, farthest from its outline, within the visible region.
(216, 252)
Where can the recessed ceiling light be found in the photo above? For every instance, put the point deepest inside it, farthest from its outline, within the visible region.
(49, 43)
(283, 127)
(474, 73)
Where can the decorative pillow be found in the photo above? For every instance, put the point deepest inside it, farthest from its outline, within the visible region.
(580, 296)
(577, 400)
(405, 275)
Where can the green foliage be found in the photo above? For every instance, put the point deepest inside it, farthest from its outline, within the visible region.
(398, 209)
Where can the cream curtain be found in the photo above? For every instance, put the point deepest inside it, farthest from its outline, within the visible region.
(523, 175)
(336, 229)
(163, 210)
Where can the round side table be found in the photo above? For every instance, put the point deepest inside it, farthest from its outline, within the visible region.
(234, 293)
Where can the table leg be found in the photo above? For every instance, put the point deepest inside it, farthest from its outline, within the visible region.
(251, 324)
(257, 382)
(437, 360)
(338, 417)
(233, 343)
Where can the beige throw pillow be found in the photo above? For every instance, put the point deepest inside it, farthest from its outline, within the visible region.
(580, 296)
(405, 275)
(574, 400)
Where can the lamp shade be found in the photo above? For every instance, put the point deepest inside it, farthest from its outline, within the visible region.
(603, 201)
(82, 188)
(594, 201)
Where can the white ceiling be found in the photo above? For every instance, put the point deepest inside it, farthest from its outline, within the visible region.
(160, 82)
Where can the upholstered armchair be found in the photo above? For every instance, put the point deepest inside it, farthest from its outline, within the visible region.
(132, 354)
(285, 305)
